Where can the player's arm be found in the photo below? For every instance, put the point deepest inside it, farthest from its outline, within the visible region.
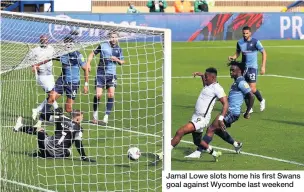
(237, 53)
(221, 95)
(201, 75)
(80, 148)
(91, 56)
(260, 47)
(119, 60)
(85, 69)
(244, 87)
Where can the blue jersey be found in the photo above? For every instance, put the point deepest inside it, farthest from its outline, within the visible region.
(71, 64)
(106, 65)
(236, 95)
(249, 51)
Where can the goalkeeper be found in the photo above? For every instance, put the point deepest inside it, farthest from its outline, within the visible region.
(67, 132)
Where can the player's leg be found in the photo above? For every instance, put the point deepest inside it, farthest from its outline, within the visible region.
(99, 84)
(41, 134)
(71, 93)
(204, 142)
(197, 137)
(251, 78)
(110, 85)
(48, 84)
(228, 120)
(110, 103)
(184, 130)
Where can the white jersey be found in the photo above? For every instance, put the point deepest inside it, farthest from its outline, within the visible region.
(207, 98)
(40, 54)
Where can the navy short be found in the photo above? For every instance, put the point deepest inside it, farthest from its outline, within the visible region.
(107, 81)
(69, 88)
(251, 75)
(230, 118)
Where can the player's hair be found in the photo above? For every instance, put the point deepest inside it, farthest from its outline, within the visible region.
(247, 28)
(43, 37)
(68, 39)
(111, 33)
(212, 70)
(240, 65)
(76, 113)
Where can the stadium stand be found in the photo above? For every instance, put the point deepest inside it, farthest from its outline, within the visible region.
(119, 6)
(27, 6)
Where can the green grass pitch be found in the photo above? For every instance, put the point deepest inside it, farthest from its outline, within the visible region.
(275, 133)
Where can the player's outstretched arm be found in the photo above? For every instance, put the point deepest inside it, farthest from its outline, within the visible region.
(237, 53)
(201, 75)
(225, 105)
(80, 149)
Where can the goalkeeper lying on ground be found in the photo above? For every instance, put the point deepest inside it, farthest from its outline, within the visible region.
(67, 132)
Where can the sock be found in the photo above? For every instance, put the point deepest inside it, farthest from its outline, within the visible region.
(225, 136)
(95, 115)
(95, 103)
(201, 148)
(207, 139)
(55, 105)
(46, 108)
(109, 105)
(246, 102)
(29, 130)
(197, 153)
(235, 144)
(40, 107)
(258, 95)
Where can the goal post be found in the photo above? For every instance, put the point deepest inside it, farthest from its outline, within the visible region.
(140, 117)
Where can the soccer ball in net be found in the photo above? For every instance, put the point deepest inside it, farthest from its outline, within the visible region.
(134, 153)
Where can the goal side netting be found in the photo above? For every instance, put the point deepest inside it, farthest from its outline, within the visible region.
(137, 118)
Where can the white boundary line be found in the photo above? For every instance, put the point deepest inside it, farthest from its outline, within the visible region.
(26, 185)
(221, 148)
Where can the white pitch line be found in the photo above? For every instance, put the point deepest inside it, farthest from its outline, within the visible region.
(221, 148)
(26, 185)
(229, 47)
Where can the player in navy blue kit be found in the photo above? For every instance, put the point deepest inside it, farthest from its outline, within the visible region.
(69, 80)
(249, 48)
(239, 90)
(110, 55)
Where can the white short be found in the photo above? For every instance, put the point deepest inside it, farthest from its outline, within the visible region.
(47, 82)
(200, 122)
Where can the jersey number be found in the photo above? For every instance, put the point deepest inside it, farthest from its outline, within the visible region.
(74, 93)
(252, 76)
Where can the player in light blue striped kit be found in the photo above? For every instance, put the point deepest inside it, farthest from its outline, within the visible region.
(110, 55)
(249, 48)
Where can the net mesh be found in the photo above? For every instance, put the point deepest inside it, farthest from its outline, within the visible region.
(136, 118)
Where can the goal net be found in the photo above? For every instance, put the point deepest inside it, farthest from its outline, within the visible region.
(137, 118)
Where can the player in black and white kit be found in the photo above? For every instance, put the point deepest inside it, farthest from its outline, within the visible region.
(67, 132)
(42, 56)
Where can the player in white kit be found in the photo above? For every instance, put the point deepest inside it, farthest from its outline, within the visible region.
(211, 92)
(43, 70)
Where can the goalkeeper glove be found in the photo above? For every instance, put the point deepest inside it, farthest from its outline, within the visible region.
(88, 159)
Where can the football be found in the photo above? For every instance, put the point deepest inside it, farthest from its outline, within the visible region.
(134, 153)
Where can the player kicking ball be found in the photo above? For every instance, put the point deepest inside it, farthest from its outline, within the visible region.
(43, 70)
(239, 90)
(211, 92)
(110, 55)
(67, 132)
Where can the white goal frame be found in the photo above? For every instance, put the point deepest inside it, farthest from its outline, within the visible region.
(166, 33)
